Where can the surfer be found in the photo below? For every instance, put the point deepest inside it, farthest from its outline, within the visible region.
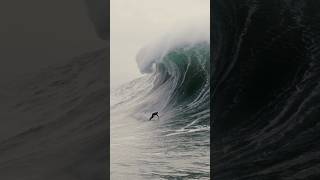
(154, 114)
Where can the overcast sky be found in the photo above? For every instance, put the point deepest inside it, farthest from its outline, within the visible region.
(135, 23)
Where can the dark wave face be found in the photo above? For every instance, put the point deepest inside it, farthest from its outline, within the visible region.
(266, 93)
(177, 86)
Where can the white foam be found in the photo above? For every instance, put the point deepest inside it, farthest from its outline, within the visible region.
(187, 131)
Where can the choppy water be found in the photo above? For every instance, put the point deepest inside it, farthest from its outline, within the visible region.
(143, 149)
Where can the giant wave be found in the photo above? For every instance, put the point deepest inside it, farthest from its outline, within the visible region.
(176, 83)
(177, 80)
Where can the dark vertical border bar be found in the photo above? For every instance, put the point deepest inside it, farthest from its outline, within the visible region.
(211, 88)
(265, 93)
(54, 90)
(108, 95)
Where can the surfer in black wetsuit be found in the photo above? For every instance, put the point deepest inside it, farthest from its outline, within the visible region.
(154, 114)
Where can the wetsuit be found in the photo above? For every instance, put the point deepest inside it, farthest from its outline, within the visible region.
(154, 114)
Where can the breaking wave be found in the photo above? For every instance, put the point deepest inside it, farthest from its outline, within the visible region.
(176, 84)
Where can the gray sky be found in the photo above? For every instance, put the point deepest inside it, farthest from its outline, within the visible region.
(135, 23)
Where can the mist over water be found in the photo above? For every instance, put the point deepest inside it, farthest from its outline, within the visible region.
(134, 24)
